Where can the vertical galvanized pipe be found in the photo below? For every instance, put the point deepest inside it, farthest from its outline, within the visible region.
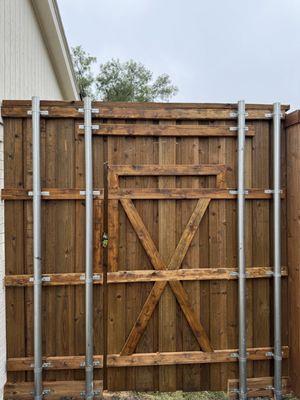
(277, 252)
(241, 252)
(37, 267)
(89, 390)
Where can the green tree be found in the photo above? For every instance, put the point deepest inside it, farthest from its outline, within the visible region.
(82, 62)
(132, 81)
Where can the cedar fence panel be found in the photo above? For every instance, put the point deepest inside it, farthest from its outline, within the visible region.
(165, 293)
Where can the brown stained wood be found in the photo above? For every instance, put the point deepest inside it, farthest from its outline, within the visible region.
(165, 130)
(140, 111)
(64, 279)
(53, 363)
(179, 193)
(188, 357)
(113, 234)
(145, 170)
(58, 390)
(201, 274)
(293, 216)
(54, 194)
(141, 359)
(98, 232)
(159, 287)
(257, 387)
(164, 170)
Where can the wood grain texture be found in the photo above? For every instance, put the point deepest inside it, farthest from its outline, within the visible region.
(162, 161)
(165, 130)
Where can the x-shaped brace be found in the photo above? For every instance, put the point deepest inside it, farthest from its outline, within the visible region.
(158, 264)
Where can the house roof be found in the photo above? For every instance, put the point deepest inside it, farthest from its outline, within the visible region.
(52, 29)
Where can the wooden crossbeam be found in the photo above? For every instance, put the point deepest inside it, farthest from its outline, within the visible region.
(54, 194)
(165, 130)
(144, 359)
(193, 274)
(257, 387)
(158, 288)
(57, 390)
(181, 111)
(183, 193)
(167, 170)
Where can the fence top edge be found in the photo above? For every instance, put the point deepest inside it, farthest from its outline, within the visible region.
(143, 105)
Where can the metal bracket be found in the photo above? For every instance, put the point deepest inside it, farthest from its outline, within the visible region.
(95, 393)
(269, 354)
(235, 114)
(43, 279)
(92, 126)
(234, 355)
(233, 273)
(96, 277)
(270, 115)
(235, 128)
(237, 192)
(47, 365)
(42, 112)
(42, 193)
(271, 191)
(45, 392)
(269, 387)
(93, 110)
(95, 192)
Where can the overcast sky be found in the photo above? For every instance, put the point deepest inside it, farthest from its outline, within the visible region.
(214, 50)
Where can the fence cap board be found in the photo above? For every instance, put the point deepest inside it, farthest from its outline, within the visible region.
(121, 110)
(292, 118)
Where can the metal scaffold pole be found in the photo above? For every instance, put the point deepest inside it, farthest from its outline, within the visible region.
(89, 389)
(37, 251)
(241, 252)
(277, 252)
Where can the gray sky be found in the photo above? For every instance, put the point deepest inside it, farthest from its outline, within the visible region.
(214, 50)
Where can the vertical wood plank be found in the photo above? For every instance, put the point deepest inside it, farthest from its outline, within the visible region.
(167, 245)
(261, 244)
(218, 290)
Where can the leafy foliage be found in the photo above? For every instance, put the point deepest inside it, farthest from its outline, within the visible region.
(117, 81)
(132, 81)
(82, 62)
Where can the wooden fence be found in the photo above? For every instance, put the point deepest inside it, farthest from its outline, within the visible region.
(165, 287)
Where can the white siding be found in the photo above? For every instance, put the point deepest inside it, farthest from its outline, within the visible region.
(25, 70)
(25, 66)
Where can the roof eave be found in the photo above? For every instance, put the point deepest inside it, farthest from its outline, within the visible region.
(53, 32)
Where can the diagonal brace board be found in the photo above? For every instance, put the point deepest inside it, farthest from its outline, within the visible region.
(158, 288)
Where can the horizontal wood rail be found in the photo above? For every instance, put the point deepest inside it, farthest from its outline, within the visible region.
(182, 193)
(257, 387)
(179, 111)
(200, 274)
(145, 359)
(57, 390)
(165, 130)
(54, 194)
(167, 170)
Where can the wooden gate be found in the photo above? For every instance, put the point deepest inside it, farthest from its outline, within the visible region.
(165, 287)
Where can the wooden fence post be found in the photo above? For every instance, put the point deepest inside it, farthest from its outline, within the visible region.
(293, 234)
